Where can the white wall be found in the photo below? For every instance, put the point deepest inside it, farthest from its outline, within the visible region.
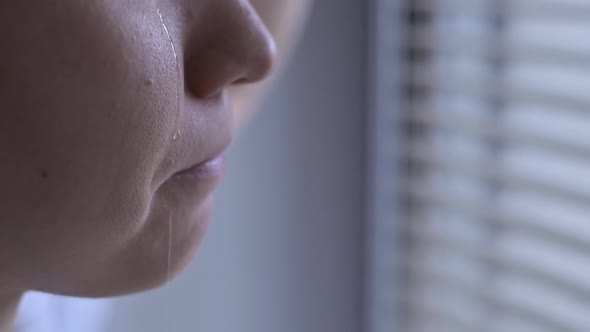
(284, 249)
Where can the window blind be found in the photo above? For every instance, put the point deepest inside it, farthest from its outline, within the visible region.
(497, 188)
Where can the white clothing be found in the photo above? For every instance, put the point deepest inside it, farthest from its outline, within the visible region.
(40, 312)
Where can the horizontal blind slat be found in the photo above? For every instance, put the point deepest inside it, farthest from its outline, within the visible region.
(577, 291)
(428, 157)
(426, 195)
(567, 10)
(420, 114)
(465, 44)
(505, 305)
(448, 320)
(426, 79)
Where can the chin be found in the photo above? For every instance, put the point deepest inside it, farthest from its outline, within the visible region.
(156, 260)
(148, 260)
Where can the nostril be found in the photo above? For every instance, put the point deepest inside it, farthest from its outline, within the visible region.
(214, 70)
(209, 73)
(242, 81)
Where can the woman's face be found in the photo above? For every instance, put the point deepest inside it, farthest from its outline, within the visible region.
(97, 118)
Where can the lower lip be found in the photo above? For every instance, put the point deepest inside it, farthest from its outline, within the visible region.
(213, 168)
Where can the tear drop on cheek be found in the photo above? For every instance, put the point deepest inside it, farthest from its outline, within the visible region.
(178, 73)
(177, 135)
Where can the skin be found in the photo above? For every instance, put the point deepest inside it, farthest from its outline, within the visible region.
(90, 101)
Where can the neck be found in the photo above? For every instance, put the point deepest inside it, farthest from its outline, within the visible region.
(8, 306)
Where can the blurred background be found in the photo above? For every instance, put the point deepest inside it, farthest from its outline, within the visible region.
(422, 165)
(493, 225)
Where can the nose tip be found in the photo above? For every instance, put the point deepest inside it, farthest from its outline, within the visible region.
(239, 51)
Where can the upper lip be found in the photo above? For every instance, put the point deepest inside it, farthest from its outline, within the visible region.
(205, 134)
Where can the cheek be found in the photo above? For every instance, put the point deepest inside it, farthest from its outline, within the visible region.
(84, 132)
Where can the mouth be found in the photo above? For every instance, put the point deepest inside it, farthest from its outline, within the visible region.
(206, 129)
(211, 168)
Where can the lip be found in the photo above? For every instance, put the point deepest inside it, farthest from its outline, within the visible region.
(211, 168)
(196, 156)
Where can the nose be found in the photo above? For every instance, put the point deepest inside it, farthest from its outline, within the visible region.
(227, 44)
